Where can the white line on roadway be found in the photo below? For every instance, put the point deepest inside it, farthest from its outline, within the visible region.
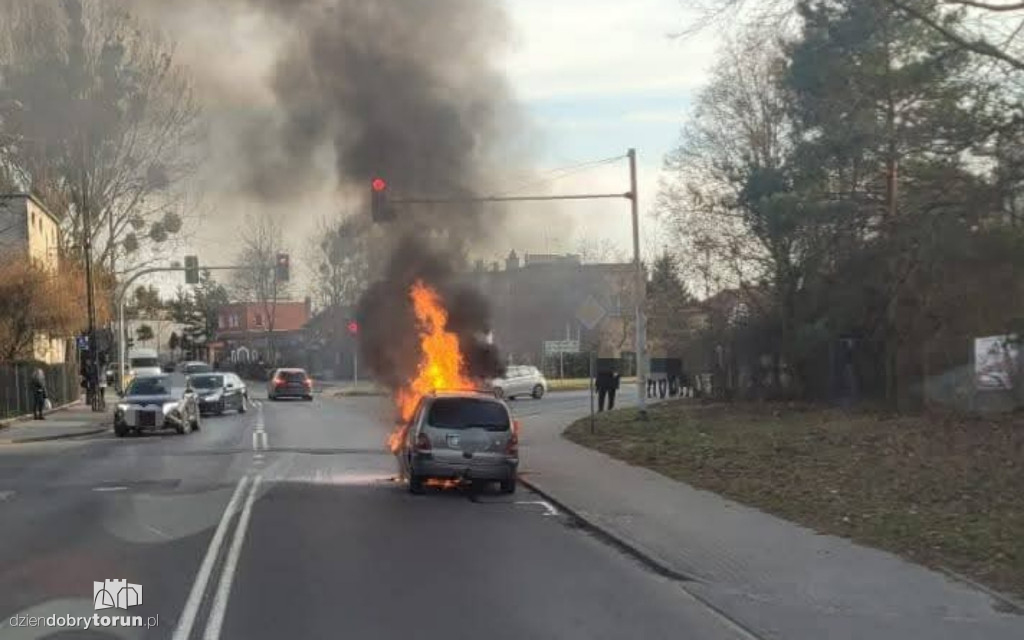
(195, 596)
(119, 488)
(550, 508)
(227, 574)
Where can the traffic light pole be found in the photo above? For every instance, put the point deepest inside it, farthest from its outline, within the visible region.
(379, 186)
(121, 339)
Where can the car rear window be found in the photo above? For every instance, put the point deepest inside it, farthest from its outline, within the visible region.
(207, 382)
(465, 413)
(294, 376)
(198, 368)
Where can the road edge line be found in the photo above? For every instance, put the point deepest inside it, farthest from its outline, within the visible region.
(646, 559)
(222, 595)
(195, 597)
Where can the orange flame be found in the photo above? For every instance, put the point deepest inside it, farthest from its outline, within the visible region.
(441, 366)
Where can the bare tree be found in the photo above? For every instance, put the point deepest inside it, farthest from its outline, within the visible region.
(339, 259)
(258, 282)
(96, 117)
(991, 28)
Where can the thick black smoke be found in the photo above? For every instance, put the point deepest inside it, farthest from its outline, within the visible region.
(389, 340)
(405, 90)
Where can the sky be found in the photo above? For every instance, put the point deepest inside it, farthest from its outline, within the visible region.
(597, 77)
(593, 79)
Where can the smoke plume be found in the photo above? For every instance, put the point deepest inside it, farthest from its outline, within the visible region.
(401, 89)
(408, 90)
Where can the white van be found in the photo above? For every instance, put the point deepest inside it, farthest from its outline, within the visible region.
(143, 362)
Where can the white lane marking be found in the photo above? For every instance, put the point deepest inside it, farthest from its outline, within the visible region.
(156, 531)
(263, 440)
(195, 596)
(118, 488)
(548, 507)
(255, 440)
(227, 574)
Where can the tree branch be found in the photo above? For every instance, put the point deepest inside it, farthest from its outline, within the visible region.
(981, 47)
(988, 6)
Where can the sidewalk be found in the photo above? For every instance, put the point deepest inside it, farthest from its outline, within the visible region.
(775, 578)
(68, 422)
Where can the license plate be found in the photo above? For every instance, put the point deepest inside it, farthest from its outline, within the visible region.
(452, 440)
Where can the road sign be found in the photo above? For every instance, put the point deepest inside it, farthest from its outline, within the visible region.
(561, 346)
(590, 313)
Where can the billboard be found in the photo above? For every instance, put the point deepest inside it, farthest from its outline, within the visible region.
(996, 361)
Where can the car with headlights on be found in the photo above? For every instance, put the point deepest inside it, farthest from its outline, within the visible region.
(220, 392)
(153, 403)
(460, 435)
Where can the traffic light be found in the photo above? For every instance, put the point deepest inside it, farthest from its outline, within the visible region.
(380, 206)
(191, 270)
(353, 327)
(281, 268)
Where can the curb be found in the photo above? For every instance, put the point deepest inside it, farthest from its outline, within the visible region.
(646, 559)
(606, 535)
(61, 436)
(5, 424)
(1011, 604)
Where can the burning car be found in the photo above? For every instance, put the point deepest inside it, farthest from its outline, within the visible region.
(156, 402)
(459, 435)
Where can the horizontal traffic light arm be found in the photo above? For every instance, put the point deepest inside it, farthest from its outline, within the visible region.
(578, 196)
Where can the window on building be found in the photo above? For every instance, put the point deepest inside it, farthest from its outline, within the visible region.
(220, 322)
(258, 320)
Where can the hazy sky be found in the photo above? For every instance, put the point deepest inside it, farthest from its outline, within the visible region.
(593, 77)
(597, 77)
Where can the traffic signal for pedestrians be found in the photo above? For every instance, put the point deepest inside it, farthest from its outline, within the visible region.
(380, 207)
(191, 270)
(281, 268)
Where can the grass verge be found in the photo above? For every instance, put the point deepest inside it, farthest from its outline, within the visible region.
(944, 491)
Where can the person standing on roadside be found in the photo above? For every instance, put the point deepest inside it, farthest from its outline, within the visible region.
(38, 394)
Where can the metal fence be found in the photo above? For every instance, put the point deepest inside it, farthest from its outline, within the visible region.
(62, 386)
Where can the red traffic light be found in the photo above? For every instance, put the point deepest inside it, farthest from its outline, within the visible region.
(378, 185)
(353, 327)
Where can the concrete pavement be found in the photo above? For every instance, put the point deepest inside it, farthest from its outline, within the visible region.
(773, 577)
(72, 421)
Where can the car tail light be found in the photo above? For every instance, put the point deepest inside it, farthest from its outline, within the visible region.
(423, 442)
(512, 448)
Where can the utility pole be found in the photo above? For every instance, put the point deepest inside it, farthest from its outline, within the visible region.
(641, 293)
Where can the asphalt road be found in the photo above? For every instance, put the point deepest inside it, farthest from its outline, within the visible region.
(287, 522)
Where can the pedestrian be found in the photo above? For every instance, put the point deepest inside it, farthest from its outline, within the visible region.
(38, 394)
(605, 384)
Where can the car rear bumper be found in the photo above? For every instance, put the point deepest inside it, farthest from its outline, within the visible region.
(473, 470)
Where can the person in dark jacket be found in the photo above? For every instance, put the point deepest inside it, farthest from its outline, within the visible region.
(607, 383)
(38, 394)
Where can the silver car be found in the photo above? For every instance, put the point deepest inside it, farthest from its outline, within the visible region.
(157, 402)
(462, 435)
(520, 380)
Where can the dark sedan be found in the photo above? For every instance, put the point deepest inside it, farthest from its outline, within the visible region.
(220, 392)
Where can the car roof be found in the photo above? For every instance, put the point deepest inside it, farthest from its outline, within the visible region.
(482, 394)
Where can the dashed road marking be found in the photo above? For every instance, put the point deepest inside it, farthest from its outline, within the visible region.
(104, 489)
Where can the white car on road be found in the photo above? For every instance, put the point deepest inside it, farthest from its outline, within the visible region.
(520, 380)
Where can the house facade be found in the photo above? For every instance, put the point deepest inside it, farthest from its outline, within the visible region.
(29, 231)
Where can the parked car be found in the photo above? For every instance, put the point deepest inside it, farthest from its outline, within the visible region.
(519, 381)
(112, 372)
(460, 435)
(220, 392)
(289, 383)
(193, 367)
(157, 402)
